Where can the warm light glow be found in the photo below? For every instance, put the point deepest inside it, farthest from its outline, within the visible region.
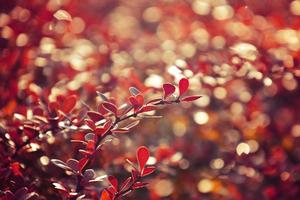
(205, 185)
(163, 188)
(201, 117)
(201, 7)
(217, 163)
(242, 148)
(44, 160)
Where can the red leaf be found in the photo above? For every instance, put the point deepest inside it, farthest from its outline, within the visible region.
(148, 170)
(133, 101)
(190, 98)
(140, 99)
(73, 164)
(139, 185)
(95, 116)
(137, 102)
(90, 145)
(125, 184)
(82, 163)
(105, 195)
(100, 131)
(183, 86)
(148, 108)
(53, 107)
(68, 104)
(134, 174)
(16, 168)
(110, 107)
(114, 182)
(101, 109)
(142, 156)
(168, 89)
(90, 124)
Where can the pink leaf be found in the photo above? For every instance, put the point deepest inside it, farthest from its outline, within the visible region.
(68, 104)
(142, 156)
(114, 182)
(190, 98)
(95, 116)
(110, 107)
(168, 89)
(183, 86)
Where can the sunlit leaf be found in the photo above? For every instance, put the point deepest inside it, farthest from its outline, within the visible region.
(142, 156)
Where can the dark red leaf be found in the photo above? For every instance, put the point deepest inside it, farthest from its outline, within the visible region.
(142, 155)
(183, 86)
(16, 168)
(73, 164)
(114, 182)
(134, 174)
(68, 104)
(168, 89)
(95, 116)
(53, 107)
(110, 107)
(190, 98)
(82, 163)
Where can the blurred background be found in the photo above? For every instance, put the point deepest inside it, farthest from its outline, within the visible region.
(241, 140)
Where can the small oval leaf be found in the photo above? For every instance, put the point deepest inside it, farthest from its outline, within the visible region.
(142, 157)
(169, 89)
(183, 86)
(190, 98)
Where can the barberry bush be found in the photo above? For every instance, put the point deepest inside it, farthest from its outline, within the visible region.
(100, 99)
